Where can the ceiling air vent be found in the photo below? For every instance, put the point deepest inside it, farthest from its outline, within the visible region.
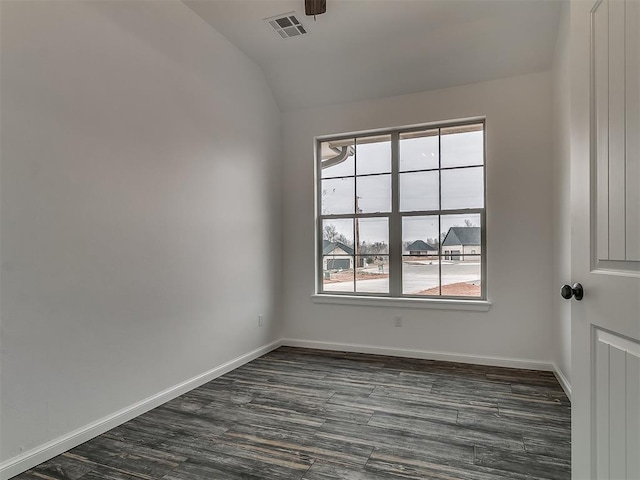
(286, 25)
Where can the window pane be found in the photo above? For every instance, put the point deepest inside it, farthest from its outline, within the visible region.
(419, 191)
(374, 194)
(439, 170)
(337, 233)
(373, 155)
(372, 274)
(461, 276)
(420, 276)
(419, 150)
(338, 159)
(420, 236)
(462, 146)
(337, 250)
(461, 235)
(373, 236)
(337, 196)
(337, 273)
(463, 188)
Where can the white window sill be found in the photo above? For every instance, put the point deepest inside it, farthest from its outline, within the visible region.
(429, 303)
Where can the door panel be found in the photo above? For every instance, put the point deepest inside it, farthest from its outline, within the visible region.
(632, 136)
(617, 405)
(616, 110)
(633, 416)
(602, 371)
(600, 35)
(616, 157)
(605, 239)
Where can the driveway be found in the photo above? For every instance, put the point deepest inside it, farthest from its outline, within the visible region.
(416, 278)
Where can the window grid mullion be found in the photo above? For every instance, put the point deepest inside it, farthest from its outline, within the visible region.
(439, 212)
(319, 226)
(483, 218)
(355, 225)
(422, 170)
(395, 221)
(413, 213)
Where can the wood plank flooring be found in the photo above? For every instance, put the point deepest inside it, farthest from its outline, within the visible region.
(313, 415)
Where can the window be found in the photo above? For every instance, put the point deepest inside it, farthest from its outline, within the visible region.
(402, 213)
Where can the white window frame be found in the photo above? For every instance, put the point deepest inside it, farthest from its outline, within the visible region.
(395, 297)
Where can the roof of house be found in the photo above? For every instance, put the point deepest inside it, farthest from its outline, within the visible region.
(420, 245)
(328, 247)
(462, 236)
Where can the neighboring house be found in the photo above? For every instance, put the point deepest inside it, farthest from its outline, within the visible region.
(420, 247)
(334, 256)
(461, 242)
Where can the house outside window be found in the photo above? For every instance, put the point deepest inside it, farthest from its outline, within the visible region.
(401, 213)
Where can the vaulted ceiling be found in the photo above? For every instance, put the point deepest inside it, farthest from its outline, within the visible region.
(363, 49)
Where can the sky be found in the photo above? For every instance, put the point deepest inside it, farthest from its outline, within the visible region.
(461, 188)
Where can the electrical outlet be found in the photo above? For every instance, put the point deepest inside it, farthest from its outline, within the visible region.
(260, 320)
(397, 321)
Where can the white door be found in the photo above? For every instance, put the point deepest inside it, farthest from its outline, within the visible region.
(605, 207)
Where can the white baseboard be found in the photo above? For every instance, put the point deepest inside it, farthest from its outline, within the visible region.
(42, 453)
(562, 379)
(423, 354)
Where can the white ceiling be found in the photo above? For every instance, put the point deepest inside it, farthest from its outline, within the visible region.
(365, 49)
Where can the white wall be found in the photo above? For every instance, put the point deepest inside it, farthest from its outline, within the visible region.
(518, 112)
(139, 148)
(561, 198)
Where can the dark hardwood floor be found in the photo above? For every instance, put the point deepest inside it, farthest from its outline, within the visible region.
(313, 415)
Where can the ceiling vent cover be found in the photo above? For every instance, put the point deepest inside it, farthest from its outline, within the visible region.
(286, 25)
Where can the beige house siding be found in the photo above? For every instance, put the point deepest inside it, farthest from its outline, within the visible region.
(336, 254)
(463, 252)
(429, 253)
